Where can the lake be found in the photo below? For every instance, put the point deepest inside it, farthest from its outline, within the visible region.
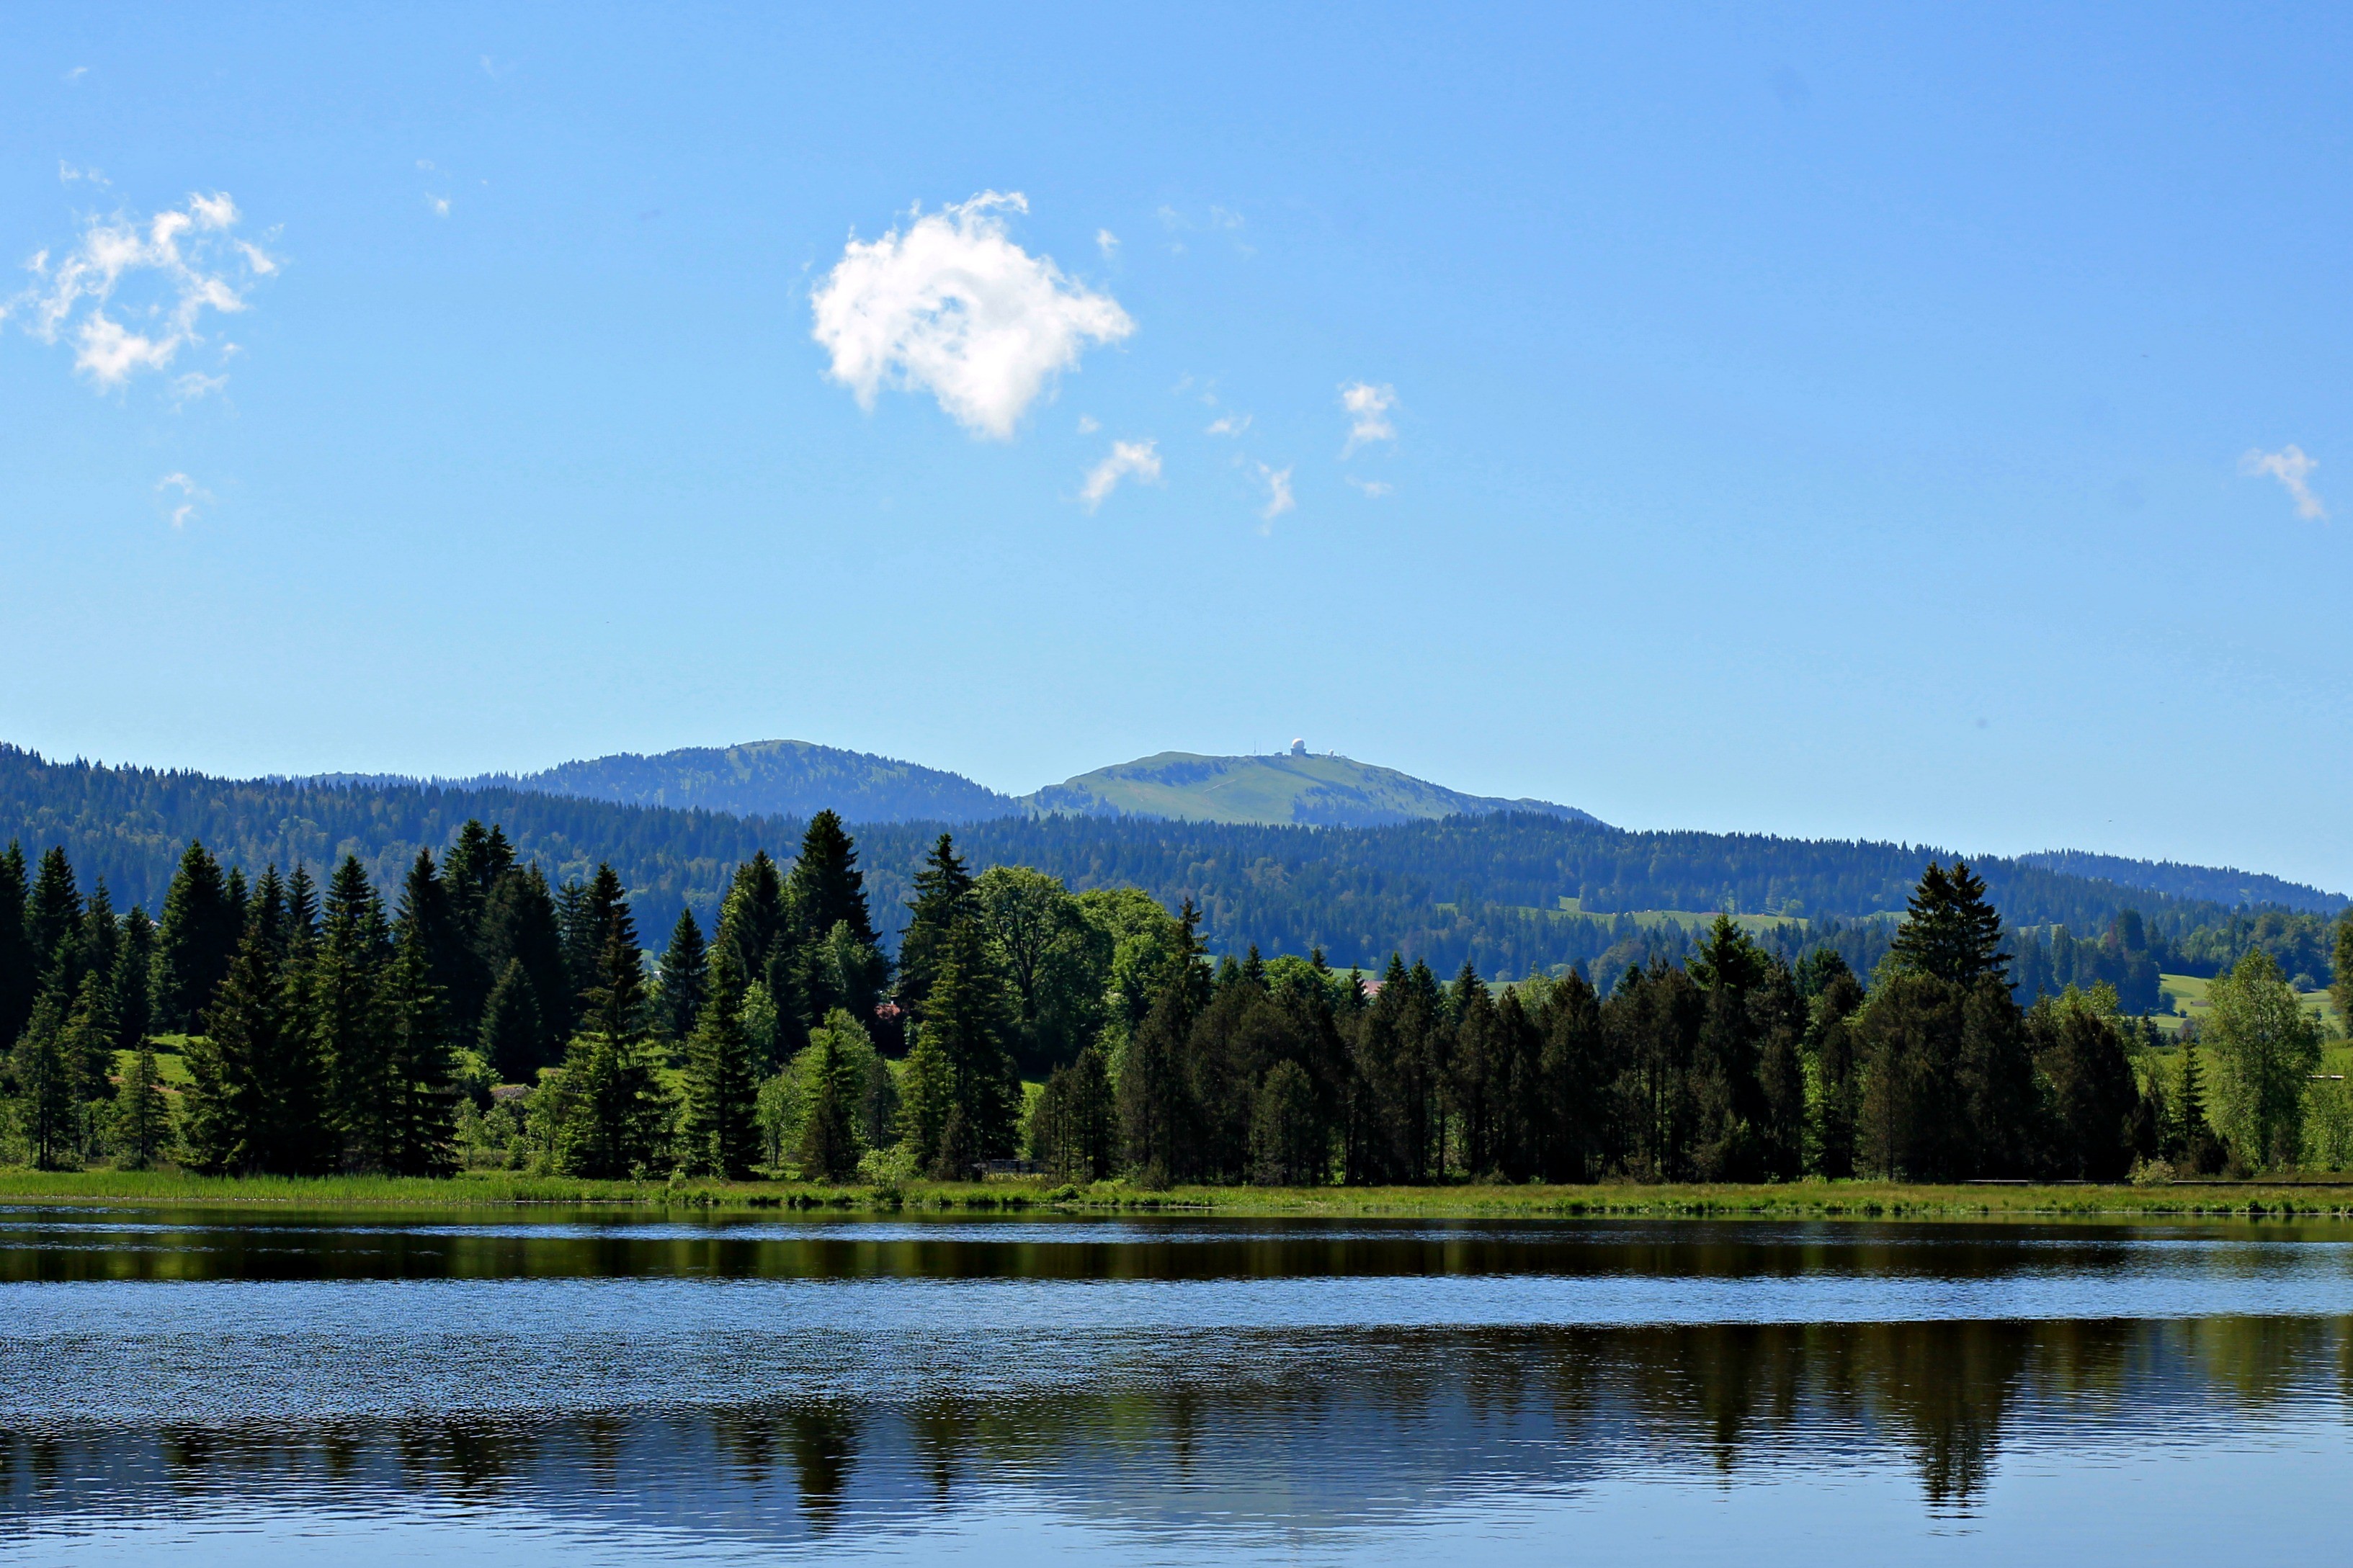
(592, 1387)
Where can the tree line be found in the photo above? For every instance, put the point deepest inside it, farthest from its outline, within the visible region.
(486, 1015)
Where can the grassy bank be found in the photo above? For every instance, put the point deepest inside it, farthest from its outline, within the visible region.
(1816, 1200)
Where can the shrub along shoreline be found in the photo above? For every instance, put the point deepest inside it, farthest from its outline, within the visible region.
(1039, 1196)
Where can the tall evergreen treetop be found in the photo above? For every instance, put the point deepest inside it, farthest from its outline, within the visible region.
(753, 917)
(53, 913)
(685, 977)
(1950, 930)
(301, 908)
(826, 887)
(944, 899)
(520, 925)
(200, 932)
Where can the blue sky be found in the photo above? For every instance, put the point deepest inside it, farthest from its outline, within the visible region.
(1829, 422)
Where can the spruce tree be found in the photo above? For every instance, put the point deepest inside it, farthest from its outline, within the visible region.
(301, 908)
(510, 1034)
(89, 1042)
(47, 1107)
(615, 1111)
(967, 1019)
(197, 940)
(685, 978)
(53, 918)
(1074, 1125)
(719, 1135)
(1949, 931)
(943, 900)
(141, 1125)
(19, 964)
(98, 939)
(227, 1118)
(829, 1151)
(133, 981)
(520, 925)
(2340, 989)
(826, 888)
(420, 1105)
(587, 918)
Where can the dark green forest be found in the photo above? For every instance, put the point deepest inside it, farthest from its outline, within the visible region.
(1487, 890)
(489, 1015)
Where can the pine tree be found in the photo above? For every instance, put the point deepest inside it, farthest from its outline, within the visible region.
(511, 1033)
(2340, 989)
(142, 1129)
(226, 1119)
(20, 977)
(90, 1041)
(344, 1027)
(46, 1107)
(470, 873)
(1073, 1125)
(829, 1151)
(944, 899)
(429, 917)
(967, 1019)
(685, 978)
(719, 1136)
(301, 908)
(419, 1103)
(587, 916)
(98, 939)
(197, 940)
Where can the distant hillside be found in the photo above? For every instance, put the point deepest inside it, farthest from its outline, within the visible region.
(2222, 886)
(759, 778)
(1296, 789)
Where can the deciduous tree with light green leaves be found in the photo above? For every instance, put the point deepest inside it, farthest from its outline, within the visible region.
(2263, 1049)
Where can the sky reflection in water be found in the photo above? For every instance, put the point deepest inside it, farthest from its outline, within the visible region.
(1190, 1392)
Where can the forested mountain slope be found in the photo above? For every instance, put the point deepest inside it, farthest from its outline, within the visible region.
(758, 778)
(1296, 788)
(1491, 888)
(2218, 885)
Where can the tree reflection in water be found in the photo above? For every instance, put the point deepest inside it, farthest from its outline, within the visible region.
(1265, 1428)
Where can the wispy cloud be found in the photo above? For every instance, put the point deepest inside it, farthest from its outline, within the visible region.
(73, 77)
(1374, 490)
(1228, 425)
(192, 495)
(133, 292)
(68, 175)
(1089, 423)
(2291, 468)
(1128, 459)
(1278, 498)
(438, 204)
(1107, 242)
(952, 306)
(1368, 414)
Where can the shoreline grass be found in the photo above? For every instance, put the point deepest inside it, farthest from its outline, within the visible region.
(1861, 1200)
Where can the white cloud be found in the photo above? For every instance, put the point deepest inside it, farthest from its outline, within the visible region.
(1138, 459)
(192, 495)
(132, 293)
(1107, 242)
(1089, 424)
(1278, 498)
(952, 306)
(68, 175)
(2290, 467)
(440, 205)
(1368, 414)
(73, 77)
(1228, 425)
(1374, 489)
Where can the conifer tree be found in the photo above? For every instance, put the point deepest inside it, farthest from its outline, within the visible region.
(19, 964)
(1949, 931)
(829, 1151)
(227, 1119)
(614, 1112)
(521, 924)
(826, 888)
(753, 916)
(2340, 989)
(967, 1023)
(685, 978)
(46, 1107)
(265, 913)
(720, 1135)
(420, 1106)
(943, 900)
(90, 1041)
(141, 1125)
(511, 1033)
(197, 940)
(587, 918)
(301, 908)
(53, 918)
(133, 981)
(1074, 1125)
(98, 939)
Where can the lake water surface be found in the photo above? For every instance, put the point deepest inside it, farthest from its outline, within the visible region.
(586, 1389)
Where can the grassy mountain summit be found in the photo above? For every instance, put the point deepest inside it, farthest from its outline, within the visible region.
(1296, 788)
(768, 778)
